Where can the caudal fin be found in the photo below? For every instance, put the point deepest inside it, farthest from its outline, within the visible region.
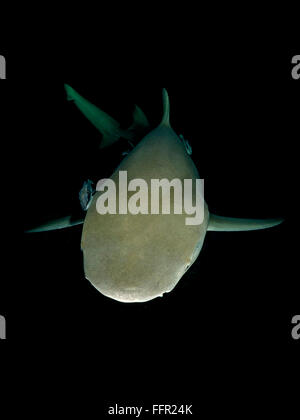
(227, 224)
(106, 125)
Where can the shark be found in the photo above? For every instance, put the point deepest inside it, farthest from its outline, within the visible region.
(137, 258)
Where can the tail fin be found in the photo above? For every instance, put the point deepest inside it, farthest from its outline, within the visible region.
(57, 224)
(71, 93)
(226, 224)
(108, 127)
(166, 107)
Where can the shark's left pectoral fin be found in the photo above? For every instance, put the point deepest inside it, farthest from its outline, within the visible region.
(57, 224)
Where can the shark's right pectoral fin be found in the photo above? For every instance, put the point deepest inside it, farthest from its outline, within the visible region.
(63, 223)
(227, 224)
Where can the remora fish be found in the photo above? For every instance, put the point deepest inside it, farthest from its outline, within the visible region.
(139, 258)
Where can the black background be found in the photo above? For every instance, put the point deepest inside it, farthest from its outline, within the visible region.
(224, 333)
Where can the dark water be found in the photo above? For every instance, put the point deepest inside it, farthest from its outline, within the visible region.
(228, 322)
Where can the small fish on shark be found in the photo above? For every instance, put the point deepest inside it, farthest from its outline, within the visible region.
(86, 194)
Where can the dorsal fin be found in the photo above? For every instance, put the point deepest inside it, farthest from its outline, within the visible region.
(166, 109)
(227, 224)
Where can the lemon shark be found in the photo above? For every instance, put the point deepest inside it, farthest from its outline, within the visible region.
(137, 258)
